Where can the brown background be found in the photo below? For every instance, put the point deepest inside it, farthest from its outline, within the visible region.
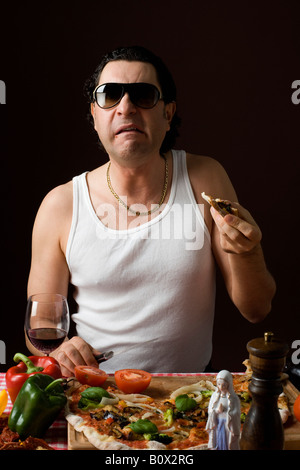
(233, 62)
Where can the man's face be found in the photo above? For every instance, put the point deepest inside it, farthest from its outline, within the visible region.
(126, 131)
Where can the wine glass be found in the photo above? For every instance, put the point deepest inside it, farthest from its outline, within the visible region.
(47, 321)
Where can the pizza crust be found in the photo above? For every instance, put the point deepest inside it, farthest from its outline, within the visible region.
(105, 442)
(222, 206)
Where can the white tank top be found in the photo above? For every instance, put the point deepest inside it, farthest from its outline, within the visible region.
(155, 281)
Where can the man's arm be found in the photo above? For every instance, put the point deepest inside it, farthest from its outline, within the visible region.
(49, 270)
(238, 252)
(236, 243)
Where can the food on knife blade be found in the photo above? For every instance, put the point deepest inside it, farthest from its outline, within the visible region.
(140, 421)
(90, 375)
(37, 405)
(17, 375)
(132, 380)
(222, 206)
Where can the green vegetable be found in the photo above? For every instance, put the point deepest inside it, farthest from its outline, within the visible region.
(95, 393)
(169, 416)
(185, 403)
(92, 397)
(159, 437)
(143, 426)
(243, 417)
(245, 397)
(206, 393)
(37, 405)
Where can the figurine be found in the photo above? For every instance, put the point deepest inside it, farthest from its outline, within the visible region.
(224, 415)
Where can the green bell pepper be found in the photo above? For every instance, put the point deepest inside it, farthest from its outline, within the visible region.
(37, 405)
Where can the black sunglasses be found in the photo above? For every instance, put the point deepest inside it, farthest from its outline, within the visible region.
(143, 95)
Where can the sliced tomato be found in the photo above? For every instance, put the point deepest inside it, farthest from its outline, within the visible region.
(132, 380)
(90, 375)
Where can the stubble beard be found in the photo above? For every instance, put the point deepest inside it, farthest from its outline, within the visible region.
(132, 152)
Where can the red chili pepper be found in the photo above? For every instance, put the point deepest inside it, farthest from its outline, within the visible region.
(17, 375)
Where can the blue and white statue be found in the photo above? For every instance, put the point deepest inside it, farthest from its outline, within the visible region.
(224, 415)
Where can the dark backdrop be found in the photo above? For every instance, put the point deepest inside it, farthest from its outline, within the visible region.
(234, 64)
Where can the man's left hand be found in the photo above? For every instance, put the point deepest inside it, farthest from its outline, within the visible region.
(238, 235)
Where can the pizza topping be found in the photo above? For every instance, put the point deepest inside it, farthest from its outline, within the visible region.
(184, 402)
(95, 397)
(133, 397)
(169, 416)
(143, 426)
(159, 437)
(201, 389)
(150, 431)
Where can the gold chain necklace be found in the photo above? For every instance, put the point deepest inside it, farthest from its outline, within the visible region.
(138, 213)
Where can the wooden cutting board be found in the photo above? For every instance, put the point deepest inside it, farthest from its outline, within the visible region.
(161, 387)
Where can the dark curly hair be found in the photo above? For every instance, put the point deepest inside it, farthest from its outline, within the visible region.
(165, 79)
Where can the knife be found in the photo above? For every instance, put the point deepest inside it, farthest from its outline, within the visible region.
(109, 354)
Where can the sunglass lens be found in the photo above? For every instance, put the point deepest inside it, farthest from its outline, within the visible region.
(108, 95)
(144, 95)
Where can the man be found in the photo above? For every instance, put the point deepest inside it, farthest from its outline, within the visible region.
(130, 235)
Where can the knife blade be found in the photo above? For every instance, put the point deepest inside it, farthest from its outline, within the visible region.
(106, 355)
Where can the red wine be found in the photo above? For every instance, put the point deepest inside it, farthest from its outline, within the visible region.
(46, 339)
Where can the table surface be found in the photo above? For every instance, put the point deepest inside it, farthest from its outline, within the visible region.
(57, 434)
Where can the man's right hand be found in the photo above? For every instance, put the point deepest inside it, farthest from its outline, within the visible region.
(74, 352)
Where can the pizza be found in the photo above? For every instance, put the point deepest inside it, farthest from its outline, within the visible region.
(222, 206)
(138, 421)
(113, 420)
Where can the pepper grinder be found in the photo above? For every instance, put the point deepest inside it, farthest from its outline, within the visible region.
(263, 429)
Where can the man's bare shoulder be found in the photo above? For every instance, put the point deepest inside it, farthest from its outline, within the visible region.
(54, 216)
(203, 163)
(208, 175)
(59, 200)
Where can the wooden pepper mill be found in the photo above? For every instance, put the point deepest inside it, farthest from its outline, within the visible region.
(263, 429)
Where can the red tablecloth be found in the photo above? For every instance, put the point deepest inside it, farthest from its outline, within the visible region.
(56, 435)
